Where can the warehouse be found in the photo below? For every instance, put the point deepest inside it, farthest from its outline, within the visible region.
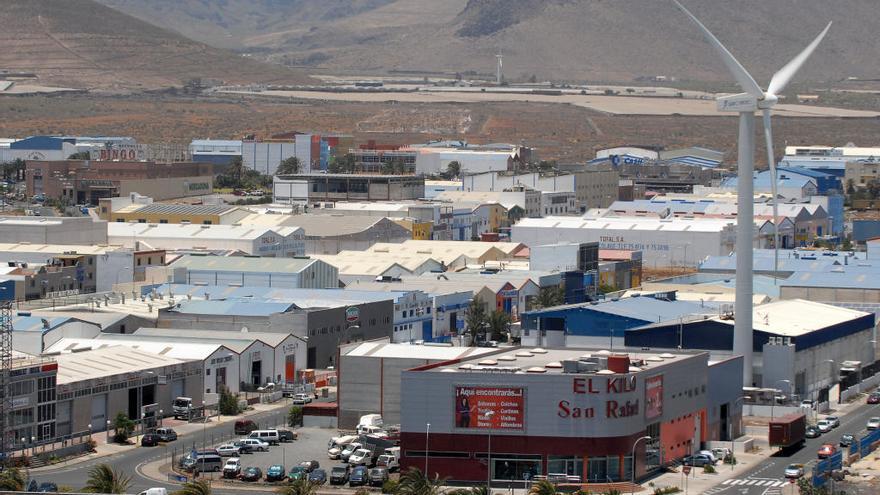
(369, 376)
(289, 273)
(795, 341)
(280, 242)
(34, 334)
(316, 187)
(360, 266)
(113, 263)
(576, 412)
(141, 209)
(663, 242)
(53, 230)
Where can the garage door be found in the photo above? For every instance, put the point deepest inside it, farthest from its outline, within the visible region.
(99, 410)
(177, 389)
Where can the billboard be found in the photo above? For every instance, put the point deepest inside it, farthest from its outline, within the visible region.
(654, 397)
(490, 408)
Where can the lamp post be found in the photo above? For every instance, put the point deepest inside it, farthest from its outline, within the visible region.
(488, 417)
(90, 431)
(204, 426)
(23, 447)
(161, 415)
(831, 382)
(108, 431)
(427, 433)
(633, 474)
(773, 404)
(33, 446)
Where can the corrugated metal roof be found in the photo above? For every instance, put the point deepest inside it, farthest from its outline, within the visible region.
(101, 363)
(233, 308)
(181, 209)
(301, 298)
(35, 323)
(647, 309)
(247, 264)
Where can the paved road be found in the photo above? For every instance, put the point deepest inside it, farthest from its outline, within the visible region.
(130, 463)
(766, 478)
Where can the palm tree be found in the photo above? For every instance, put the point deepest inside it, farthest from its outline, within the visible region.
(543, 487)
(499, 323)
(197, 487)
(12, 480)
(549, 297)
(414, 482)
(301, 486)
(104, 479)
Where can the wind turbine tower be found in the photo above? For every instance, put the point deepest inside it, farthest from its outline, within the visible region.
(499, 74)
(746, 104)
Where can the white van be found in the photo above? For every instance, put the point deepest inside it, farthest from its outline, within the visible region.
(269, 436)
(390, 459)
(204, 463)
(336, 444)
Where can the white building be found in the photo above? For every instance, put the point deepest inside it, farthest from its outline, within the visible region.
(434, 160)
(244, 271)
(595, 187)
(265, 156)
(114, 263)
(663, 242)
(280, 242)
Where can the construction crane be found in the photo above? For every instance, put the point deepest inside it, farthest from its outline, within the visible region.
(5, 371)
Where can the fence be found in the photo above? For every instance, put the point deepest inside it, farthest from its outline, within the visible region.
(861, 447)
(43, 450)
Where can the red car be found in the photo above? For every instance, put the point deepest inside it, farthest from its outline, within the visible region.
(827, 450)
(874, 398)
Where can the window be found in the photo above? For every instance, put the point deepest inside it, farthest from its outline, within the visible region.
(207, 222)
(208, 372)
(46, 412)
(162, 220)
(23, 387)
(149, 260)
(139, 262)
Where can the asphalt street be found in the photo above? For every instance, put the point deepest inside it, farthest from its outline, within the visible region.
(76, 475)
(766, 478)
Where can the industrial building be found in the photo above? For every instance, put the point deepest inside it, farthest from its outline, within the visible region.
(113, 263)
(218, 152)
(53, 230)
(315, 188)
(87, 181)
(141, 209)
(802, 343)
(277, 242)
(369, 375)
(245, 271)
(578, 412)
(828, 159)
(595, 187)
(35, 334)
(63, 274)
(357, 266)
(663, 242)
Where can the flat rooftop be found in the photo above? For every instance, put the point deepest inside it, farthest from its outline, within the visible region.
(795, 317)
(408, 351)
(177, 209)
(101, 363)
(247, 264)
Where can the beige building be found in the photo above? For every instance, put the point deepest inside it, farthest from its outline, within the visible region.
(594, 187)
(141, 209)
(861, 173)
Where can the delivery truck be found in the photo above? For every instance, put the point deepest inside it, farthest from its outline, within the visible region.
(788, 431)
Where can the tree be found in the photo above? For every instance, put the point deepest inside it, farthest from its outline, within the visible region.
(498, 325)
(195, 487)
(453, 169)
(301, 486)
(228, 403)
(124, 426)
(476, 318)
(549, 297)
(543, 487)
(80, 155)
(344, 164)
(235, 170)
(295, 416)
(12, 480)
(846, 245)
(387, 168)
(104, 479)
(398, 166)
(850, 186)
(414, 482)
(289, 166)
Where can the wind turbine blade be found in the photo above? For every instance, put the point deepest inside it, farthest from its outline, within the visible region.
(771, 162)
(742, 76)
(781, 79)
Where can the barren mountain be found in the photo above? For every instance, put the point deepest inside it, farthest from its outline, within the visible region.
(84, 44)
(608, 40)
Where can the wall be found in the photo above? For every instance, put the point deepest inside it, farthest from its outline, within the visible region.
(169, 188)
(54, 230)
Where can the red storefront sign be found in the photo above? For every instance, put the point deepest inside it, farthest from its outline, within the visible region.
(490, 408)
(654, 397)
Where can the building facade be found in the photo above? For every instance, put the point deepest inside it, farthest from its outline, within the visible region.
(314, 188)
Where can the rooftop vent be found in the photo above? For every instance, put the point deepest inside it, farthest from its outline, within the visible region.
(553, 365)
(488, 362)
(536, 369)
(524, 354)
(538, 350)
(667, 355)
(506, 358)
(604, 372)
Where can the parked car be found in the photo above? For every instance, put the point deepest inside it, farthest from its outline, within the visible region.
(846, 440)
(812, 432)
(339, 474)
(807, 404)
(359, 476)
(378, 476)
(269, 436)
(361, 457)
(794, 471)
(243, 448)
(710, 455)
(874, 398)
(287, 435)
(310, 466)
(302, 399)
(232, 468)
(228, 450)
(697, 460)
(297, 472)
(318, 476)
(256, 445)
(873, 423)
(835, 421)
(252, 474)
(349, 450)
(721, 453)
(166, 434)
(150, 440)
(824, 425)
(47, 487)
(826, 450)
(275, 473)
(244, 427)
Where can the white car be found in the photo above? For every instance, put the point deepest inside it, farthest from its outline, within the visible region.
(873, 423)
(824, 425)
(302, 399)
(228, 450)
(349, 450)
(710, 455)
(360, 457)
(255, 444)
(232, 468)
(835, 421)
(794, 471)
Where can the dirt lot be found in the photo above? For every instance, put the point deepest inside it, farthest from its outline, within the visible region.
(563, 132)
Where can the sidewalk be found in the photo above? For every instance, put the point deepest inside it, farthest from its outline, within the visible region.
(698, 482)
(105, 449)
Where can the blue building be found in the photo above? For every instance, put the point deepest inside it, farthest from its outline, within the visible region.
(216, 151)
(826, 183)
(602, 324)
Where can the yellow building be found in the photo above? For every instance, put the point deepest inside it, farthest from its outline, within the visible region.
(421, 231)
(171, 213)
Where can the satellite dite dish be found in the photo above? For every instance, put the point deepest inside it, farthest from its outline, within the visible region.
(244, 330)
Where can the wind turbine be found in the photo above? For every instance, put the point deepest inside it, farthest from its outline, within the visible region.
(746, 104)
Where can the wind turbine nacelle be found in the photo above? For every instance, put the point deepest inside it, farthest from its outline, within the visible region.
(742, 102)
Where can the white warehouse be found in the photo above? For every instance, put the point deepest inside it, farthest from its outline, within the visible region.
(663, 242)
(260, 241)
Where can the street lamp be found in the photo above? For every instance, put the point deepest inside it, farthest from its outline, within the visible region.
(204, 426)
(90, 431)
(161, 415)
(645, 438)
(488, 417)
(773, 404)
(108, 431)
(427, 432)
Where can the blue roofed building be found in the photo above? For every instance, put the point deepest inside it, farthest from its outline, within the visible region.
(603, 323)
(34, 334)
(825, 183)
(788, 185)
